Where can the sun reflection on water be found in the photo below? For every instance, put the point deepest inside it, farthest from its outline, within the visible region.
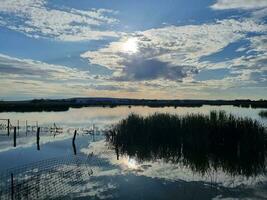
(130, 163)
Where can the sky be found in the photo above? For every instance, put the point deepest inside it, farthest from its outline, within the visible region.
(171, 49)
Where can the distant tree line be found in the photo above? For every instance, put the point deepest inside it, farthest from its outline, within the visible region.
(64, 104)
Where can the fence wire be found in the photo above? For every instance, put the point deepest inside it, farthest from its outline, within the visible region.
(46, 179)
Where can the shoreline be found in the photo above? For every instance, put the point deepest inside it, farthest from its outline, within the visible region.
(39, 105)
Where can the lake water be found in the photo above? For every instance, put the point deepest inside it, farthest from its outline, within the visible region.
(95, 171)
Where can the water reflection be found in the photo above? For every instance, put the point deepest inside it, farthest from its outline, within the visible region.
(46, 179)
(201, 142)
(130, 163)
(99, 116)
(130, 176)
(161, 180)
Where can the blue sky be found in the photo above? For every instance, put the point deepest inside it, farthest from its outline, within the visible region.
(186, 49)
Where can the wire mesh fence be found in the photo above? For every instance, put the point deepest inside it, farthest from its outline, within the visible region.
(46, 179)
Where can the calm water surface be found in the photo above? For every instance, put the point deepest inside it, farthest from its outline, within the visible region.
(125, 178)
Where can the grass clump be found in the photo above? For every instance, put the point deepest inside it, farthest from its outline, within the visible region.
(218, 140)
(263, 113)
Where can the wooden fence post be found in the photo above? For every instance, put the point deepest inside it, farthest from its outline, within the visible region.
(18, 127)
(38, 138)
(73, 142)
(12, 186)
(26, 127)
(15, 137)
(8, 127)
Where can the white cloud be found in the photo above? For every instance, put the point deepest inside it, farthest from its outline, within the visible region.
(239, 4)
(180, 49)
(34, 18)
(30, 69)
(26, 78)
(173, 47)
(176, 51)
(258, 8)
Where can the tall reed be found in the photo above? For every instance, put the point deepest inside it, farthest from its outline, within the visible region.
(218, 140)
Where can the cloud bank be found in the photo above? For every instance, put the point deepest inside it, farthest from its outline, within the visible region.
(166, 60)
(239, 4)
(175, 52)
(35, 18)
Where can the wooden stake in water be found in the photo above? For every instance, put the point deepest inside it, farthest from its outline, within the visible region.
(8, 128)
(117, 149)
(12, 186)
(26, 127)
(38, 138)
(18, 127)
(15, 137)
(73, 142)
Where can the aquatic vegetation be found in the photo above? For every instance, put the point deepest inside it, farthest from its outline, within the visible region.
(263, 113)
(218, 141)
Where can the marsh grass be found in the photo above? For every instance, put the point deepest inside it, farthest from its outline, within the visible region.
(218, 140)
(263, 113)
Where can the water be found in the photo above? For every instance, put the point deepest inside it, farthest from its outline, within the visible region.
(125, 178)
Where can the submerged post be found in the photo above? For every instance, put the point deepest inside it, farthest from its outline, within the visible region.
(117, 148)
(26, 127)
(8, 128)
(12, 186)
(73, 142)
(74, 136)
(117, 152)
(18, 127)
(15, 137)
(94, 131)
(38, 138)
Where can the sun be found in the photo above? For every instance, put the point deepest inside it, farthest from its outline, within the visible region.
(130, 46)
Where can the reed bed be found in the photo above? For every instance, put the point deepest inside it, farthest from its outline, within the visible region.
(217, 140)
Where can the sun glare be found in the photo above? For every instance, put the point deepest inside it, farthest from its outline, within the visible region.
(130, 46)
(130, 163)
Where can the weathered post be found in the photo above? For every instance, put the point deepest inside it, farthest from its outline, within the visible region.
(117, 148)
(18, 127)
(26, 127)
(117, 152)
(12, 186)
(8, 127)
(38, 138)
(15, 137)
(74, 136)
(73, 142)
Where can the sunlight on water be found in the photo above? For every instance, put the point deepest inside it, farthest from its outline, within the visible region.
(109, 173)
(100, 116)
(131, 163)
